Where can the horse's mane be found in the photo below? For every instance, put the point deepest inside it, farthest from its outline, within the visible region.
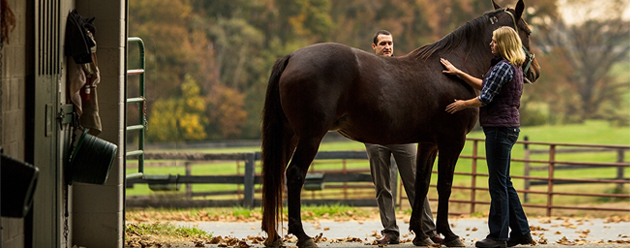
(471, 28)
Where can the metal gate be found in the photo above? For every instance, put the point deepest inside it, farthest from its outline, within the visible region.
(141, 101)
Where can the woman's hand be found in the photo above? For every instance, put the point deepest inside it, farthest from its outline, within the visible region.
(456, 106)
(463, 104)
(470, 80)
(450, 68)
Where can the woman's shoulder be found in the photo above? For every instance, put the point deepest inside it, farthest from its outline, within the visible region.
(504, 65)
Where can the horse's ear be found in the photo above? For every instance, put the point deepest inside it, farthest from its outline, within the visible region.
(520, 6)
(496, 6)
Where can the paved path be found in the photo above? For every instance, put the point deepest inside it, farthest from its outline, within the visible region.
(556, 232)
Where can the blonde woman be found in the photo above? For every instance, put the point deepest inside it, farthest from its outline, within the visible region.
(498, 104)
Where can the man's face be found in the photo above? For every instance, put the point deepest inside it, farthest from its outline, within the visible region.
(385, 45)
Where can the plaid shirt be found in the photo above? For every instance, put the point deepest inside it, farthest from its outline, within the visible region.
(501, 74)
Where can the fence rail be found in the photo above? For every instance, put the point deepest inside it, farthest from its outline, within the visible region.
(249, 179)
(544, 185)
(552, 165)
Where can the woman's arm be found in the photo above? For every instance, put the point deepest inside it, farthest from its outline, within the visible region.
(451, 69)
(463, 104)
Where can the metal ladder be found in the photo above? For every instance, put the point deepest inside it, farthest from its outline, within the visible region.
(141, 128)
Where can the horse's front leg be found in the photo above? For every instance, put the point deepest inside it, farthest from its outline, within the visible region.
(446, 170)
(425, 158)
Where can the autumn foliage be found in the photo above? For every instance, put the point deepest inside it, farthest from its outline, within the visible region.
(208, 61)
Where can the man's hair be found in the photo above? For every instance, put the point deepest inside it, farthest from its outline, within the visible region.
(380, 32)
(509, 45)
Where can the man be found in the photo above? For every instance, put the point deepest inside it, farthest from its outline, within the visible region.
(405, 156)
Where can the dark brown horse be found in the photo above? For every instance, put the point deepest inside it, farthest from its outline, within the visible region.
(375, 99)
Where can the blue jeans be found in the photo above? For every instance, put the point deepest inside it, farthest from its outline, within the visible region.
(505, 207)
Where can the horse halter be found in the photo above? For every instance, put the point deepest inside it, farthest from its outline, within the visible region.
(528, 55)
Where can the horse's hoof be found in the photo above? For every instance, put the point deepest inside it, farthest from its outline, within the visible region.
(277, 243)
(306, 243)
(454, 242)
(423, 241)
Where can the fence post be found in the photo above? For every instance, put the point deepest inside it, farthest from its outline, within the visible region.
(248, 180)
(552, 163)
(620, 159)
(345, 184)
(526, 170)
(188, 186)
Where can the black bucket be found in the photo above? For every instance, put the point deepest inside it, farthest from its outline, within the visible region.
(91, 159)
(19, 180)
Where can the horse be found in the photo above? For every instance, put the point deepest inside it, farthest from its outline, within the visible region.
(374, 99)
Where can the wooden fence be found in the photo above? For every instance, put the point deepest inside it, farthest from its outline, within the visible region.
(249, 179)
(531, 186)
(573, 149)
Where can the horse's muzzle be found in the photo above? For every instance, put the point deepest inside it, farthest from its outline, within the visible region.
(530, 77)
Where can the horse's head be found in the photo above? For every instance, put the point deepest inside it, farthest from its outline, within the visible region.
(512, 17)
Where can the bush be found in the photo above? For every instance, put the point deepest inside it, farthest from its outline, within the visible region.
(532, 117)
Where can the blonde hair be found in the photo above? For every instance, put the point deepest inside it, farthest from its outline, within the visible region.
(509, 45)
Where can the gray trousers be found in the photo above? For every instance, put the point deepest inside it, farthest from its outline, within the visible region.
(380, 164)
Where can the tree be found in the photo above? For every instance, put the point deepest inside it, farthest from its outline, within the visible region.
(588, 50)
(225, 111)
(179, 118)
(236, 46)
(164, 27)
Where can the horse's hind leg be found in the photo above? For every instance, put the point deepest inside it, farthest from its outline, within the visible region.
(296, 173)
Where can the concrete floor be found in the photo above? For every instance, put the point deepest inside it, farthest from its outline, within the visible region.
(547, 232)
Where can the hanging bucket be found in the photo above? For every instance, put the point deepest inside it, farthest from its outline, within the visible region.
(19, 180)
(314, 181)
(91, 159)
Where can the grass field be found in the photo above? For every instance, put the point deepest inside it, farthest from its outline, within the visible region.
(591, 132)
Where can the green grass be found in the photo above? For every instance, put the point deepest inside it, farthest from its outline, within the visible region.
(309, 213)
(165, 230)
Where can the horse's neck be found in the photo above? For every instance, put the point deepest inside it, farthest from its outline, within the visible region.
(472, 54)
(475, 57)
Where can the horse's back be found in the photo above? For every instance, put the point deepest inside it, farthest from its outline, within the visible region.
(314, 83)
(323, 61)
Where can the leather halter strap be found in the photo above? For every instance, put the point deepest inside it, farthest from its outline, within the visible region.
(529, 55)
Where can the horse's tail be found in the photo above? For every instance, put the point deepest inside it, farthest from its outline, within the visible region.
(274, 157)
